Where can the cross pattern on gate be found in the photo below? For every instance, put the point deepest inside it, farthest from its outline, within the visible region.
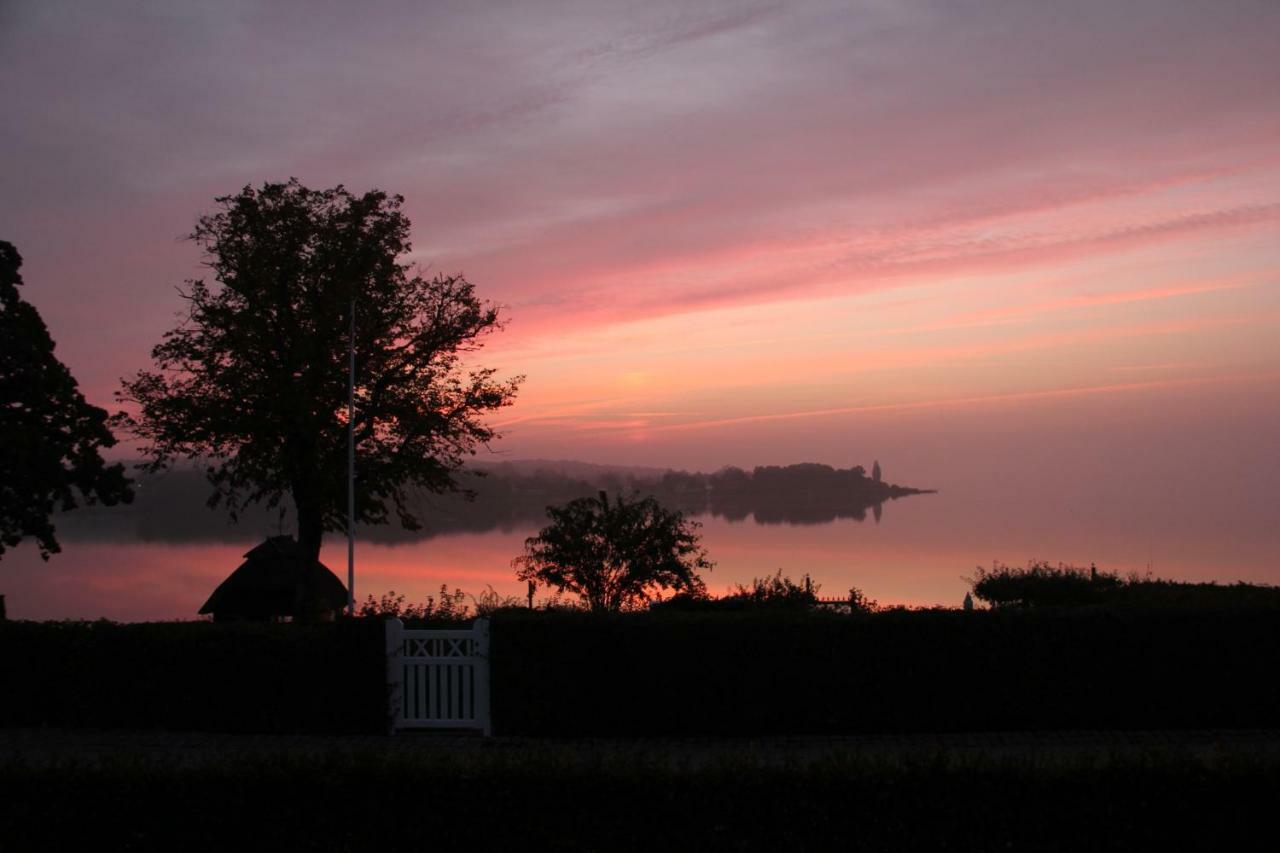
(440, 647)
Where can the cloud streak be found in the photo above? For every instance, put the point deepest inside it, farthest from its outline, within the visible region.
(753, 200)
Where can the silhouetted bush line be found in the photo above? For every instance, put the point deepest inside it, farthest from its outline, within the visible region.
(194, 676)
(366, 802)
(804, 673)
(771, 672)
(1039, 584)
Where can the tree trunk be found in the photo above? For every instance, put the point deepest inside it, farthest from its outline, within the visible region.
(310, 531)
(307, 607)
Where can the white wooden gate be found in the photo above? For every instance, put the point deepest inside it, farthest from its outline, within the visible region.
(439, 679)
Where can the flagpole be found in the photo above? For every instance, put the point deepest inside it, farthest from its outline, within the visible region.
(351, 467)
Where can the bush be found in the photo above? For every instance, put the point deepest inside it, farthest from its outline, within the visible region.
(1041, 585)
(767, 671)
(784, 672)
(773, 592)
(200, 676)
(449, 609)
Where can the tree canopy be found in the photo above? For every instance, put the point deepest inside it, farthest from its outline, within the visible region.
(50, 437)
(253, 381)
(615, 554)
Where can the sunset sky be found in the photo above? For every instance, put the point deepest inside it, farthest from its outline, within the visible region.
(724, 233)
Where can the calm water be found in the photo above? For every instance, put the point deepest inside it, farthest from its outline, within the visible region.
(916, 554)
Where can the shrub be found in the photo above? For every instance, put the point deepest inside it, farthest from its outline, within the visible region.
(772, 592)
(1040, 585)
(791, 672)
(450, 607)
(197, 676)
(859, 602)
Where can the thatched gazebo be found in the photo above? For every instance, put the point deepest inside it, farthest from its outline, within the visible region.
(276, 581)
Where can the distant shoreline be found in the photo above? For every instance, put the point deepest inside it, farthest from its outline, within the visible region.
(171, 507)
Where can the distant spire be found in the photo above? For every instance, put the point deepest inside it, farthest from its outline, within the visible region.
(875, 471)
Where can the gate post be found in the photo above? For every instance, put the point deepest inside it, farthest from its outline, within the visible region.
(395, 673)
(483, 712)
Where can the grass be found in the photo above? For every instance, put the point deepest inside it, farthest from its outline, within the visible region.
(629, 796)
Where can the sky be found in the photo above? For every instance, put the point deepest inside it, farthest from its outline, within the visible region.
(1033, 241)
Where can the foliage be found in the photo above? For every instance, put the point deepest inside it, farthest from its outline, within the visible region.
(556, 602)
(787, 672)
(449, 607)
(452, 607)
(860, 602)
(490, 601)
(195, 676)
(773, 592)
(1041, 585)
(615, 555)
(751, 673)
(253, 381)
(777, 590)
(1157, 593)
(50, 437)
(321, 794)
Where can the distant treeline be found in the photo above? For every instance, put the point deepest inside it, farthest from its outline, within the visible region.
(171, 507)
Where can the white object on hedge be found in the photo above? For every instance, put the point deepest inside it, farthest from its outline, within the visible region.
(439, 679)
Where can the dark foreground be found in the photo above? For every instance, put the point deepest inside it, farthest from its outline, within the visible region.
(1043, 791)
(772, 673)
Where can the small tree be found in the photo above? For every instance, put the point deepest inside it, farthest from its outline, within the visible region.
(615, 554)
(50, 437)
(253, 383)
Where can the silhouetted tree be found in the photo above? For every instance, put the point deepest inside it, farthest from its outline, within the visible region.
(875, 471)
(50, 437)
(254, 380)
(615, 554)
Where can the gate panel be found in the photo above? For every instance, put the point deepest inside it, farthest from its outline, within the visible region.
(439, 678)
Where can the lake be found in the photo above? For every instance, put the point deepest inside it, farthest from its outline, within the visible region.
(916, 554)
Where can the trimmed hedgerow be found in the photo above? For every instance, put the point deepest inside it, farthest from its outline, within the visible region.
(807, 673)
(194, 676)
(771, 672)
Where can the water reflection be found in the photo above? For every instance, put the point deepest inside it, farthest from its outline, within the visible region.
(170, 508)
(917, 554)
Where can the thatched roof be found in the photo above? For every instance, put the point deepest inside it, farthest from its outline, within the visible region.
(276, 579)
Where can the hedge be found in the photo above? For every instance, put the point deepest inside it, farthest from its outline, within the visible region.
(802, 673)
(676, 674)
(196, 676)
